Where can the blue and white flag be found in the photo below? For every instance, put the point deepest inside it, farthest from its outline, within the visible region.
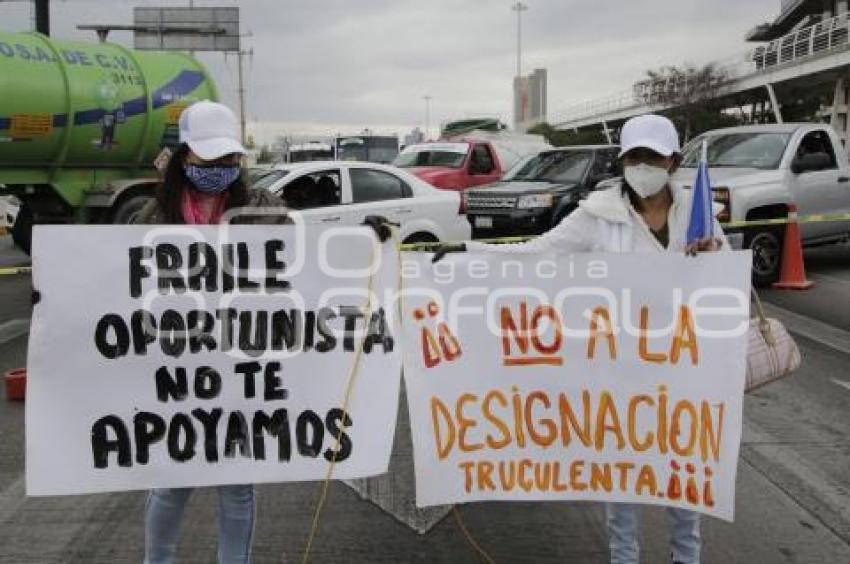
(702, 221)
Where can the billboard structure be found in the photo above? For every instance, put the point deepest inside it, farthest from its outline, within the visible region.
(186, 29)
(192, 29)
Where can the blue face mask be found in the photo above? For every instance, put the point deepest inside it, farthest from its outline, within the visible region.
(212, 179)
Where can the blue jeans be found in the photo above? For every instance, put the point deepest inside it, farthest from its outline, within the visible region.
(623, 534)
(236, 512)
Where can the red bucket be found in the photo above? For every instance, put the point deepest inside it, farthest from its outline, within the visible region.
(16, 384)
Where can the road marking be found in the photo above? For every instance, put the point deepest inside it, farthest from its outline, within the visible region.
(823, 333)
(842, 383)
(13, 329)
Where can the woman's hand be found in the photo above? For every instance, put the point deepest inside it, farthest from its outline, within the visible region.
(380, 225)
(706, 245)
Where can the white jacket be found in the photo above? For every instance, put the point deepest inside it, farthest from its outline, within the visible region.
(607, 222)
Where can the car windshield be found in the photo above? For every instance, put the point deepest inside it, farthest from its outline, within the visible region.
(449, 157)
(552, 166)
(744, 150)
(270, 178)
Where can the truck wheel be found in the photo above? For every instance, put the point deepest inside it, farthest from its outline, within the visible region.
(766, 245)
(22, 229)
(127, 210)
(420, 237)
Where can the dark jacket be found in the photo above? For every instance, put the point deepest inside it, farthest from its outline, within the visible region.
(257, 198)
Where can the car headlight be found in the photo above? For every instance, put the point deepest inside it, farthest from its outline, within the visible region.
(535, 201)
(721, 196)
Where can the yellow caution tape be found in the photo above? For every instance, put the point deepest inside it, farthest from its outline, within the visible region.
(436, 245)
(16, 270)
(814, 218)
(432, 246)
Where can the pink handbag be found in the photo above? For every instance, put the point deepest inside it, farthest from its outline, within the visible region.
(771, 354)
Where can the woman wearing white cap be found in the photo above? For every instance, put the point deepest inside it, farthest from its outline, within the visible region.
(202, 181)
(646, 214)
(203, 178)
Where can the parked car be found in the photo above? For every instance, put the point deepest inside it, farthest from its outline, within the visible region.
(758, 170)
(345, 192)
(451, 166)
(539, 191)
(470, 161)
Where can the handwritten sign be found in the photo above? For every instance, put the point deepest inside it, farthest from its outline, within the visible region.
(177, 356)
(588, 377)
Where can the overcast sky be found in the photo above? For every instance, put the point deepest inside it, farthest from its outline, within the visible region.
(327, 66)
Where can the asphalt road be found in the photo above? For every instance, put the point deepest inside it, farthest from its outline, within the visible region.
(793, 491)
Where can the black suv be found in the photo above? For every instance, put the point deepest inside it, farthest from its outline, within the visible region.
(539, 191)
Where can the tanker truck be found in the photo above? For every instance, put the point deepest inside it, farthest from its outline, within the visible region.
(81, 125)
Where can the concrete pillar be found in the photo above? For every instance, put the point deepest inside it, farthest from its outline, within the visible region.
(840, 116)
(607, 132)
(841, 7)
(42, 16)
(774, 103)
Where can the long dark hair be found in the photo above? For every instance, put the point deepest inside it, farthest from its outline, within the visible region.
(634, 199)
(169, 192)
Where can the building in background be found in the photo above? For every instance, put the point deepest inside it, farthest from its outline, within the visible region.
(414, 137)
(530, 100)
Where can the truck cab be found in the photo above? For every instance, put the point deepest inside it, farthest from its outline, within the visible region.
(757, 171)
(452, 166)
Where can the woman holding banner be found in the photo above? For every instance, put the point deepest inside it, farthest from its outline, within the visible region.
(646, 214)
(202, 184)
(202, 181)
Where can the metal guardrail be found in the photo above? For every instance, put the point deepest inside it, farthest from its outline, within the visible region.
(830, 35)
(806, 42)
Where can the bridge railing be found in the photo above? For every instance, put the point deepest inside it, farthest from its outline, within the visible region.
(806, 42)
(822, 38)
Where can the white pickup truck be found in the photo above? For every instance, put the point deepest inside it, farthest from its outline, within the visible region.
(757, 170)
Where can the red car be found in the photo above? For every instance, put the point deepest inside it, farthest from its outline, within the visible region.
(452, 165)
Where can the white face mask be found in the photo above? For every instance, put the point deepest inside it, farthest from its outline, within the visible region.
(647, 180)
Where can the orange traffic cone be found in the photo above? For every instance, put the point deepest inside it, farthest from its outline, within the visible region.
(793, 276)
(16, 384)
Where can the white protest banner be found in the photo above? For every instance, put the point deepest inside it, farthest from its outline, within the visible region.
(587, 377)
(171, 356)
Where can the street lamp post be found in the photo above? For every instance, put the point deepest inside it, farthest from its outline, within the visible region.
(519, 8)
(42, 16)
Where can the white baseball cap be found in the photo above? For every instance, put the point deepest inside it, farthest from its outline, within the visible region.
(651, 131)
(211, 130)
